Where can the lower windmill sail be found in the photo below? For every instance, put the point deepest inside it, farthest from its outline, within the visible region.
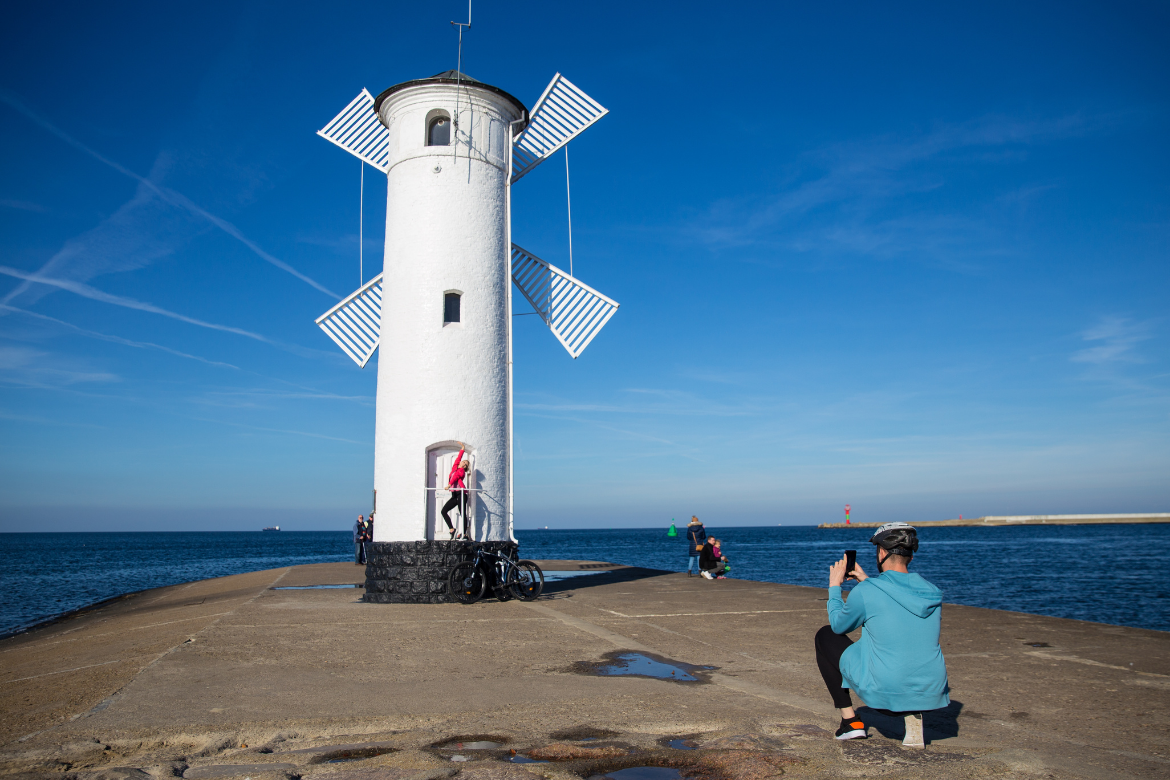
(573, 311)
(355, 324)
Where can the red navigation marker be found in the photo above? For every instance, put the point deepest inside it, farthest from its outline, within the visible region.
(847, 514)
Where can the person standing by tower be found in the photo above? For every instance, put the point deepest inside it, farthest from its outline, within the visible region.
(696, 538)
(458, 494)
(358, 551)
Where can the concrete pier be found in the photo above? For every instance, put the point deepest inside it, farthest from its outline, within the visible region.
(231, 678)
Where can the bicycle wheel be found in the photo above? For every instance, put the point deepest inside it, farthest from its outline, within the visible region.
(526, 581)
(466, 582)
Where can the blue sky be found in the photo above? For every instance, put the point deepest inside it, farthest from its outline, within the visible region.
(905, 257)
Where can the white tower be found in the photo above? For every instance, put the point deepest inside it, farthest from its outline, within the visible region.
(451, 147)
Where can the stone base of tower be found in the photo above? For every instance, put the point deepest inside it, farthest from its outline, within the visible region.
(416, 572)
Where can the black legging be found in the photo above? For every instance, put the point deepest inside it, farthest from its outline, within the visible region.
(829, 648)
(458, 499)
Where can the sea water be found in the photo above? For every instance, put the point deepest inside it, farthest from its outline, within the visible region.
(1104, 573)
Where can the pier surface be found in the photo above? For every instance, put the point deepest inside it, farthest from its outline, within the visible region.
(1159, 517)
(232, 678)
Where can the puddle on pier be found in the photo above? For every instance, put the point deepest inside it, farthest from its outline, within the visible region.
(683, 744)
(482, 744)
(642, 773)
(313, 587)
(642, 665)
(518, 759)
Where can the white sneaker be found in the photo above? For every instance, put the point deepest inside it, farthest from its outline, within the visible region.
(707, 574)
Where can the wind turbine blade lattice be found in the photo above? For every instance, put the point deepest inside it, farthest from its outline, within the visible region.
(355, 324)
(573, 311)
(358, 131)
(560, 115)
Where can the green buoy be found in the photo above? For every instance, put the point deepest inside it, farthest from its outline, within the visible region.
(672, 532)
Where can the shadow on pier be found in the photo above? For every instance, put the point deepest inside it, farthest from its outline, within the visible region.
(558, 588)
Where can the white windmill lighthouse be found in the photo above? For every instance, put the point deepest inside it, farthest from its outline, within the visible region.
(441, 310)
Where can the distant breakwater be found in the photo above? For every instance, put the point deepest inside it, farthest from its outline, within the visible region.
(1162, 517)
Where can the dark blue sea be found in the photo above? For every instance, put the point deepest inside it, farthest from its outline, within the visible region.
(1103, 573)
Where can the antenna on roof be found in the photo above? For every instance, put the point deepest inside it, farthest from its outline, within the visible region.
(458, 79)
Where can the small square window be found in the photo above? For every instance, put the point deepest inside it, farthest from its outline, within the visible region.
(451, 307)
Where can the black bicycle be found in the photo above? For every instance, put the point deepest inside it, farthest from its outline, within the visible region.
(469, 580)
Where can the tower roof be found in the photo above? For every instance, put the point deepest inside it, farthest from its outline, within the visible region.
(449, 77)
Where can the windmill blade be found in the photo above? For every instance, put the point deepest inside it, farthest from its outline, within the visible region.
(573, 311)
(358, 131)
(355, 324)
(560, 115)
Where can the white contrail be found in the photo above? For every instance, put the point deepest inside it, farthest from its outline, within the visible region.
(114, 339)
(167, 195)
(86, 291)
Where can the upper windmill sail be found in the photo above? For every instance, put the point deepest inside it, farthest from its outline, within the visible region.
(573, 311)
(562, 112)
(358, 131)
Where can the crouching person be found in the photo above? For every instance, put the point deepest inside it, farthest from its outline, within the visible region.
(897, 665)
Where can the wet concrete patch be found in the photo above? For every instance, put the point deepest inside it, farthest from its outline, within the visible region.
(743, 742)
(629, 663)
(314, 587)
(808, 730)
(470, 747)
(880, 752)
(351, 751)
(472, 742)
(116, 773)
(563, 752)
(701, 764)
(234, 770)
(643, 773)
(492, 770)
(583, 733)
(338, 754)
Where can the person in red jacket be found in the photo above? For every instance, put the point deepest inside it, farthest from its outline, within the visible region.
(458, 490)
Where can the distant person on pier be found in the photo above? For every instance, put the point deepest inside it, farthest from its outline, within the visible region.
(368, 537)
(458, 498)
(696, 538)
(897, 666)
(709, 565)
(359, 553)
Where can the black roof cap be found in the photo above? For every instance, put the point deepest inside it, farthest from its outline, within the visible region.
(450, 77)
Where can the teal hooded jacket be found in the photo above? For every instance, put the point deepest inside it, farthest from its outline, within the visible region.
(897, 664)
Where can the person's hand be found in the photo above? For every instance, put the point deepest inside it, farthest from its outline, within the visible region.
(837, 573)
(858, 573)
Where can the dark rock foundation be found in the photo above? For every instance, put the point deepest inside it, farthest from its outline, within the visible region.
(416, 572)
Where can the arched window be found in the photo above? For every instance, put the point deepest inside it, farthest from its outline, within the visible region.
(439, 131)
(450, 307)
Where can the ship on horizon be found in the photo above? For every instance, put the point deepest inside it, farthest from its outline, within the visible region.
(271, 528)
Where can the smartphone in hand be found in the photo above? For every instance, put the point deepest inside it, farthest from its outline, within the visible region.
(850, 562)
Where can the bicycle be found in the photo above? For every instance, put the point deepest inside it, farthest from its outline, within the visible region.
(468, 580)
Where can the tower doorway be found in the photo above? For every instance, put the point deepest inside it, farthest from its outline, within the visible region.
(440, 459)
